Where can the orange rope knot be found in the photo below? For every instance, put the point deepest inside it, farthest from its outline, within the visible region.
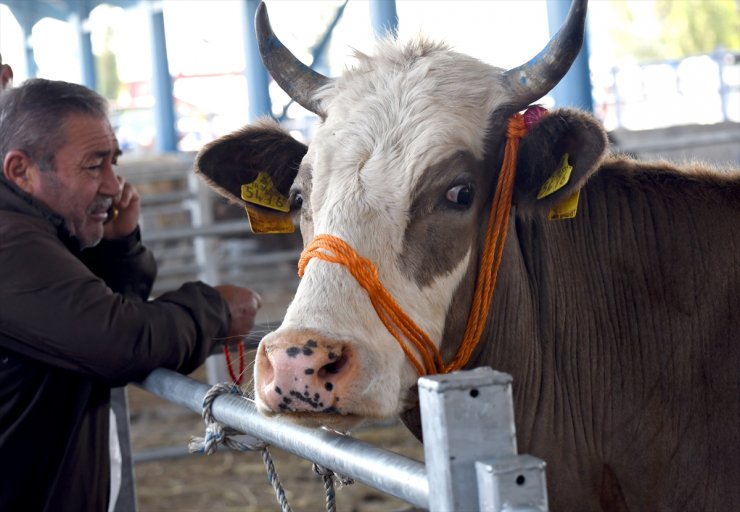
(399, 324)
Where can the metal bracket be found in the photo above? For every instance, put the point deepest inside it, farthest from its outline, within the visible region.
(513, 483)
(470, 445)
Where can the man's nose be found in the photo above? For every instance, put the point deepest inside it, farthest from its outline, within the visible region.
(111, 184)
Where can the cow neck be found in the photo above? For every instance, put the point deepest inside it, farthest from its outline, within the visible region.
(335, 250)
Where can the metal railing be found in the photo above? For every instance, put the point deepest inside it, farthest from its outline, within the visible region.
(470, 443)
(701, 89)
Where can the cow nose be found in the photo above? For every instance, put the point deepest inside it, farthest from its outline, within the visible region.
(303, 372)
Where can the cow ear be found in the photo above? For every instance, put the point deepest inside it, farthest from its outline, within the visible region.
(233, 160)
(543, 181)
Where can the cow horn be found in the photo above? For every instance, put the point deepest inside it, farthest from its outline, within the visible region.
(532, 80)
(295, 78)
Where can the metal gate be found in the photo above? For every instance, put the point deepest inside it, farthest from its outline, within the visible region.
(471, 461)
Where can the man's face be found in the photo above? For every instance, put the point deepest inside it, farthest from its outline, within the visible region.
(83, 185)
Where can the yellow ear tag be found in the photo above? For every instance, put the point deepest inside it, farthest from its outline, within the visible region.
(267, 209)
(264, 193)
(558, 179)
(265, 221)
(566, 209)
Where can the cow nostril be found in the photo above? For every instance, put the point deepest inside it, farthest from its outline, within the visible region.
(334, 367)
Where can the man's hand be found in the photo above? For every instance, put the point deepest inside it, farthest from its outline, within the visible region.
(125, 214)
(243, 305)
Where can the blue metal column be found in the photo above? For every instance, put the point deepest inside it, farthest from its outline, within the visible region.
(384, 17)
(255, 72)
(164, 110)
(575, 88)
(23, 13)
(32, 69)
(89, 77)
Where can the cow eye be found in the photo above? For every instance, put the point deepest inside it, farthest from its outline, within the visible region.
(296, 200)
(461, 195)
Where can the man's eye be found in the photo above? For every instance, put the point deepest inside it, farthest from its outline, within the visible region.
(94, 166)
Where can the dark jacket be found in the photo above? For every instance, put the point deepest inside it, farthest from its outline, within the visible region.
(73, 324)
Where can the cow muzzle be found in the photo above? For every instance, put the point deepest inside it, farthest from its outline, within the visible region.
(300, 371)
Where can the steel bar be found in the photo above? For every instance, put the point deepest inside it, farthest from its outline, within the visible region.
(384, 470)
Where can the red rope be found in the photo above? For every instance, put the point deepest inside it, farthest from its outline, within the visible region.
(236, 379)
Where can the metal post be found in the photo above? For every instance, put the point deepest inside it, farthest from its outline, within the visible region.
(719, 56)
(575, 88)
(201, 214)
(257, 79)
(80, 21)
(24, 13)
(384, 17)
(164, 115)
(126, 501)
(468, 418)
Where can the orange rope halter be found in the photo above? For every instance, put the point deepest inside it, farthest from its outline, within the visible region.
(335, 250)
(388, 310)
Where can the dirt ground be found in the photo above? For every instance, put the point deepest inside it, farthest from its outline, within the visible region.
(236, 482)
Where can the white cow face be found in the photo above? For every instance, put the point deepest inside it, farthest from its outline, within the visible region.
(386, 174)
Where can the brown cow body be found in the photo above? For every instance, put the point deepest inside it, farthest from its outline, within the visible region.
(620, 327)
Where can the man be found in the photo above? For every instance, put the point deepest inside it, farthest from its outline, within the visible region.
(75, 319)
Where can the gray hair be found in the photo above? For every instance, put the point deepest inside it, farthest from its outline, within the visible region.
(32, 117)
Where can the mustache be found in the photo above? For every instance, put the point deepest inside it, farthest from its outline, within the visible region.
(101, 204)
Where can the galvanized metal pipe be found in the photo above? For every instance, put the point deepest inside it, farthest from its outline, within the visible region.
(384, 470)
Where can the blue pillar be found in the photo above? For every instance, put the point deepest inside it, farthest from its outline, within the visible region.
(384, 17)
(254, 70)
(26, 20)
(574, 89)
(164, 110)
(32, 69)
(89, 77)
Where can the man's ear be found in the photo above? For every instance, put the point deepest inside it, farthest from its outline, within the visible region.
(540, 168)
(18, 169)
(233, 160)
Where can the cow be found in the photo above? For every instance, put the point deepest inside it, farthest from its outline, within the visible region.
(616, 305)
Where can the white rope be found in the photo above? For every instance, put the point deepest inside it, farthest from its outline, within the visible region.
(328, 476)
(216, 434)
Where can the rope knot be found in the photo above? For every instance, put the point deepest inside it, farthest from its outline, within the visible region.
(516, 128)
(216, 433)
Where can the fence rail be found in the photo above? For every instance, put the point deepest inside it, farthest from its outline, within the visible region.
(387, 471)
(466, 468)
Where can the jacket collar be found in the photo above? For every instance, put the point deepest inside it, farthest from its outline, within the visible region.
(14, 199)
